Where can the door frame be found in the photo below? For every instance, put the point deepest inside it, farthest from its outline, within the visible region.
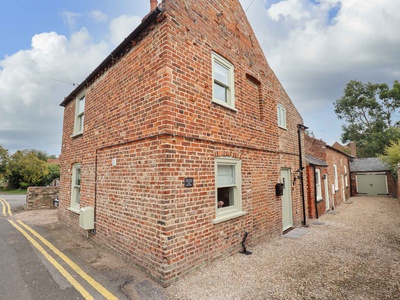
(287, 205)
(326, 187)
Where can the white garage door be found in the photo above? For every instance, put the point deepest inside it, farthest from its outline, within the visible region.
(372, 184)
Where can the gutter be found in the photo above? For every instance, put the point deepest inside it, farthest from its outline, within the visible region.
(115, 54)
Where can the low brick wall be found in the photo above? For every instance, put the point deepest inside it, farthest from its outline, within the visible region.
(41, 197)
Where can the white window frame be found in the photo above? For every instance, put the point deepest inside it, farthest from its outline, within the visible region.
(75, 188)
(346, 177)
(233, 211)
(229, 102)
(281, 110)
(79, 115)
(318, 186)
(336, 177)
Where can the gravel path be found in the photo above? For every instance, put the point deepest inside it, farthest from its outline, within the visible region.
(354, 254)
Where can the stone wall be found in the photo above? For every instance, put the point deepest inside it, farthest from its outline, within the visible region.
(41, 197)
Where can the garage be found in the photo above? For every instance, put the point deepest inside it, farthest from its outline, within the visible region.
(372, 177)
(372, 184)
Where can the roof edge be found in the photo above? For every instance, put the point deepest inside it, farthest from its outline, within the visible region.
(337, 150)
(115, 53)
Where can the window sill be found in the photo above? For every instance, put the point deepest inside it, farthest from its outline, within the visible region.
(233, 215)
(281, 127)
(78, 134)
(320, 200)
(74, 210)
(224, 105)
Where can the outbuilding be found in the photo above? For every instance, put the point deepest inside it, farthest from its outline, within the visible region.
(372, 177)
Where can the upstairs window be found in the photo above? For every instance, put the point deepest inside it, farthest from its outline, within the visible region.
(223, 81)
(79, 114)
(281, 116)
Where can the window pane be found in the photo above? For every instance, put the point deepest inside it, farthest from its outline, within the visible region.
(221, 73)
(225, 197)
(220, 92)
(226, 175)
(81, 105)
(77, 195)
(281, 116)
(78, 177)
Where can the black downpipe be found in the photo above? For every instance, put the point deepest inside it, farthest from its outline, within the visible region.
(95, 190)
(299, 128)
(244, 246)
(315, 192)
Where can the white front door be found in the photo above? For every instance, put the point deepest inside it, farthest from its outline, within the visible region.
(343, 190)
(326, 185)
(287, 214)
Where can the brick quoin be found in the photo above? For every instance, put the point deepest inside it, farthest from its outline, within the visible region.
(150, 123)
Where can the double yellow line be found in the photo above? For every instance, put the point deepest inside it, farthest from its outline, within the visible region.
(31, 234)
(6, 208)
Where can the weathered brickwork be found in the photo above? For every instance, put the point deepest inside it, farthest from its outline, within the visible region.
(341, 160)
(337, 194)
(150, 123)
(39, 197)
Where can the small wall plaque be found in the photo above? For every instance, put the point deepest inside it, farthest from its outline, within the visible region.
(188, 182)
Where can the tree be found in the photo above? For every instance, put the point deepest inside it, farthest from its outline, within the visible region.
(368, 110)
(25, 169)
(53, 172)
(3, 162)
(392, 155)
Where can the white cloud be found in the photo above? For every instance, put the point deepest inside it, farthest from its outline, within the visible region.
(122, 26)
(70, 18)
(34, 82)
(315, 56)
(312, 55)
(98, 16)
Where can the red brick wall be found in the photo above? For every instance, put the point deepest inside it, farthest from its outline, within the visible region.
(315, 148)
(319, 149)
(340, 160)
(313, 213)
(152, 114)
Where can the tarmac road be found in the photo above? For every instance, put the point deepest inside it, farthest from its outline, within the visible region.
(49, 261)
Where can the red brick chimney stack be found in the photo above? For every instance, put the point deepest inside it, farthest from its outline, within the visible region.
(153, 5)
(353, 149)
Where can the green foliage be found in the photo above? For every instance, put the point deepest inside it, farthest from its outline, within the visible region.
(3, 162)
(53, 172)
(25, 169)
(368, 110)
(29, 168)
(392, 155)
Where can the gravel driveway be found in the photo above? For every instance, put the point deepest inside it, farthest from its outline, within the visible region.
(350, 253)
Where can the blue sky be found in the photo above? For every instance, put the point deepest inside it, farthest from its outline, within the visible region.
(314, 47)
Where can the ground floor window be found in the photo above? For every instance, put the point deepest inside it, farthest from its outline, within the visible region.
(76, 188)
(228, 185)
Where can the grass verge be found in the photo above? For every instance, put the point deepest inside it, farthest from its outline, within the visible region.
(13, 192)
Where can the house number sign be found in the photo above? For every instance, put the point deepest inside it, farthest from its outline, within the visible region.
(188, 182)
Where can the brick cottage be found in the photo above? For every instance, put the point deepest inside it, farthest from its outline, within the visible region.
(328, 175)
(178, 140)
